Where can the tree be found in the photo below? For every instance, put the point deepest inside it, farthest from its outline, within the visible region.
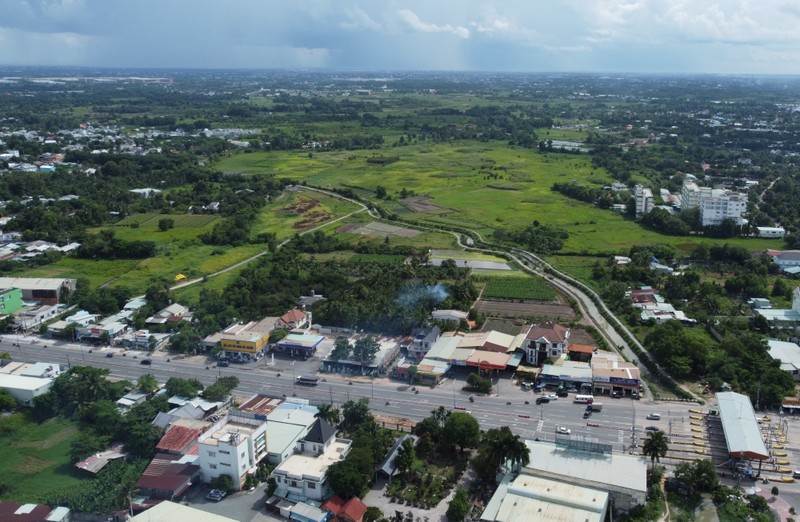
(221, 389)
(86, 444)
(461, 429)
(355, 414)
(501, 446)
(341, 349)
(365, 349)
(7, 401)
(183, 387)
(412, 373)
(380, 192)
(223, 482)
(147, 383)
(329, 414)
(404, 459)
(459, 507)
(373, 514)
(655, 447)
(346, 479)
(166, 224)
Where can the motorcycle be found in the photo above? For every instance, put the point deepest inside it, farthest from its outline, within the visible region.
(471, 398)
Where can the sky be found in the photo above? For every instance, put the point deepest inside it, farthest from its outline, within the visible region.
(630, 36)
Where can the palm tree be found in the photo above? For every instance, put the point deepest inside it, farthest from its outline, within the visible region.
(503, 447)
(655, 447)
(329, 414)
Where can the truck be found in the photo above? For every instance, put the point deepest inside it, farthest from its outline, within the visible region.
(595, 406)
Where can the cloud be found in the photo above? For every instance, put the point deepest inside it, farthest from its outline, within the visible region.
(357, 18)
(413, 21)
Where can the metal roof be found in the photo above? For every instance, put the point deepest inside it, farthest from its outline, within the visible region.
(742, 435)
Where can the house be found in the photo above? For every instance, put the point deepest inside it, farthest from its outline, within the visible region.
(423, 339)
(131, 399)
(303, 476)
(167, 511)
(34, 316)
(243, 341)
(784, 316)
(94, 463)
(142, 340)
(234, 447)
(580, 352)
(173, 313)
(545, 340)
(387, 468)
(168, 476)
(10, 301)
(771, 232)
(145, 192)
(455, 316)
(14, 512)
(351, 511)
(25, 381)
(294, 319)
(179, 439)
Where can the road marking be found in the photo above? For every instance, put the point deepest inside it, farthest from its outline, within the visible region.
(620, 436)
(540, 425)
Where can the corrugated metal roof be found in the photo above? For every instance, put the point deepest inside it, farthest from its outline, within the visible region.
(742, 435)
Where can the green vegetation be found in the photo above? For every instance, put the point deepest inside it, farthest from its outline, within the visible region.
(515, 287)
(34, 456)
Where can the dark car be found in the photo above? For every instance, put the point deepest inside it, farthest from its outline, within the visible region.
(587, 414)
(563, 393)
(146, 361)
(652, 428)
(542, 400)
(110, 354)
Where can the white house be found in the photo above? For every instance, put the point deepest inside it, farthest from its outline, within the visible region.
(234, 447)
(788, 354)
(722, 205)
(547, 339)
(771, 232)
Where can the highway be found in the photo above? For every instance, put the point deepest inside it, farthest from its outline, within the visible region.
(388, 397)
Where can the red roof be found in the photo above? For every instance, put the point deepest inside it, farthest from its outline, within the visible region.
(13, 512)
(552, 332)
(333, 504)
(581, 348)
(164, 474)
(293, 316)
(178, 438)
(353, 510)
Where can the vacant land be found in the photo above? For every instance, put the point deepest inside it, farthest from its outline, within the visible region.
(525, 309)
(34, 458)
(518, 287)
(478, 186)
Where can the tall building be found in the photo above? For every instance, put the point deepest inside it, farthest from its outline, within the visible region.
(233, 447)
(719, 207)
(644, 200)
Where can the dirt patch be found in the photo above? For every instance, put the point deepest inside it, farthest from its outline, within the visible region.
(51, 441)
(312, 219)
(580, 336)
(302, 205)
(384, 230)
(395, 423)
(420, 204)
(31, 464)
(506, 326)
(346, 228)
(525, 309)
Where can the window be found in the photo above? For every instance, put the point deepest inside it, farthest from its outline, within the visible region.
(242, 455)
(212, 466)
(225, 452)
(294, 483)
(225, 464)
(212, 453)
(311, 485)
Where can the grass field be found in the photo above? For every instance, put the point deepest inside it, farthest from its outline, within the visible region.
(455, 178)
(295, 212)
(516, 287)
(466, 255)
(35, 458)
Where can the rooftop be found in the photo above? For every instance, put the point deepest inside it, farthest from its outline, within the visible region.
(29, 283)
(228, 433)
(787, 353)
(260, 406)
(742, 435)
(549, 331)
(167, 511)
(314, 467)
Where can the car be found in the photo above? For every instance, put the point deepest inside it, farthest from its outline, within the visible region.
(552, 397)
(587, 414)
(652, 428)
(616, 394)
(148, 362)
(563, 430)
(542, 400)
(563, 394)
(216, 495)
(796, 473)
(110, 354)
(653, 416)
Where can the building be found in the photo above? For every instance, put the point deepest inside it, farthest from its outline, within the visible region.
(234, 447)
(25, 389)
(243, 342)
(294, 319)
(175, 512)
(788, 354)
(572, 374)
(526, 497)
(130, 399)
(588, 464)
(423, 340)
(303, 476)
(723, 205)
(94, 463)
(142, 340)
(455, 316)
(771, 232)
(303, 345)
(50, 291)
(783, 316)
(692, 194)
(351, 511)
(287, 425)
(167, 477)
(580, 352)
(741, 428)
(643, 197)
(33, 316)
(14, 512)
(545, 340)
(785, 258)
(171, 314)
(10, 301)
(613, 375)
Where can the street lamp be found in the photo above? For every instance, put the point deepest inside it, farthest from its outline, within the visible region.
(454, 392)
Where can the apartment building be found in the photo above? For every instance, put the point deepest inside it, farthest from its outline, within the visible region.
(234, 447)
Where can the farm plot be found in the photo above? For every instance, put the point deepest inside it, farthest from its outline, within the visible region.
(524, 309)
(518, 287)
(180, 220)
(383, 230)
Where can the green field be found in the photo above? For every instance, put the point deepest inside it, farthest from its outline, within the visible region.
(34, 458)
(516, 287)
(455, 180)
(296, 212)
(181, 220)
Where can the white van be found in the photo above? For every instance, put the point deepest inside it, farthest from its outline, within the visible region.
(654, 416)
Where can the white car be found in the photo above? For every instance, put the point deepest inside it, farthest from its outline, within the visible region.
(563, 430)
(553, 397)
